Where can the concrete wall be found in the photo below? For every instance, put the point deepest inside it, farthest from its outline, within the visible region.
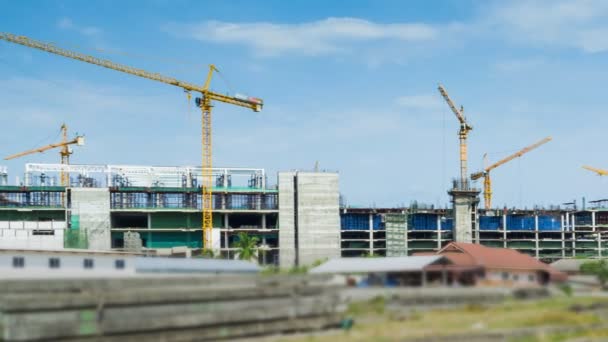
(286, 219)
(312, 208)
(92, 205)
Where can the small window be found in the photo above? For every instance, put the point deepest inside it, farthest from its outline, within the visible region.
(119, 264)
(531, 278)
(516, 277)
(18, 262)
(505, 276)
(43, 232)
(54, 263)
(88, 263)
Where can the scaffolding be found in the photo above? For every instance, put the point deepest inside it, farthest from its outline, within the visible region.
(122, 176)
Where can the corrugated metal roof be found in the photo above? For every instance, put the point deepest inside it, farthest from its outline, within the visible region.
(371, 265)
(568, 265)
(182, 265)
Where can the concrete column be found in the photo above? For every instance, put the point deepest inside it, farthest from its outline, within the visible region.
(423, 278)
(438, 232)
(593, 220)
(263, 221)
(444, 276)
(226, 228)
(536, 235)
(264, 251)
(464, 203)
(406, 235)
(573, 229)
(370, 226)
(599, 242)
(504, 230)
(226, 241)
(563, 231)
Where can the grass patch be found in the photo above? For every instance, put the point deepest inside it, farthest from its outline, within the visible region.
(554, 312)
(375, 306)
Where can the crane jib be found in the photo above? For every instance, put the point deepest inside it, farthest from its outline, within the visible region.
(247, 101)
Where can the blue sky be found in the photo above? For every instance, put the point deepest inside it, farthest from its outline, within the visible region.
(351, 84)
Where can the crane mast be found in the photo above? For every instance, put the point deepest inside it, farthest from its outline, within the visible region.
(65, 155)
(487, 182)
(463, 134)
(205, 103)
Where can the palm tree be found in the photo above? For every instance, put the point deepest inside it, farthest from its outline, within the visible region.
(247, 246)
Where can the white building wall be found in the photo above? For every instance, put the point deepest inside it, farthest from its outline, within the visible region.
(32, 235)
(513, 278)
(36, 265)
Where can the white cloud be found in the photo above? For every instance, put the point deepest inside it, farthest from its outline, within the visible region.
(330, 35)
(577, 24)
(580, 24)
(68, 24)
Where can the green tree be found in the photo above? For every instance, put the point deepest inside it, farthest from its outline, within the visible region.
(370, 255)
(597, 268)
(247, 246)
(207, 254)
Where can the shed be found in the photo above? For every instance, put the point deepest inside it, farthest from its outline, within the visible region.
(389, 271)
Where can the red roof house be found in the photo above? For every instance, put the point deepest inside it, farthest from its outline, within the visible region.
(474, 264)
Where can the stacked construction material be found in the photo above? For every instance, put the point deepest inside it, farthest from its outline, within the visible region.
(166, 309)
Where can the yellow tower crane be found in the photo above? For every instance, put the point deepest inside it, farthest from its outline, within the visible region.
(599, 172)
(463, 133)
(65, 151)
(205, 103)
(487, 183)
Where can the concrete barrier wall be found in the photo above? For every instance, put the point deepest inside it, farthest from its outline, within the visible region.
(174, 308)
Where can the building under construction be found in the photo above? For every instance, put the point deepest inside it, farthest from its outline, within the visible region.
(296, 221)
(163, 205)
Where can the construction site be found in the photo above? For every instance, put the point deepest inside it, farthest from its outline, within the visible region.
(296, 216)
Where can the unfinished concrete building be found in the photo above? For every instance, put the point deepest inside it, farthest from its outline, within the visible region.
(547, 234)
(297, 222)
(163, 205)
